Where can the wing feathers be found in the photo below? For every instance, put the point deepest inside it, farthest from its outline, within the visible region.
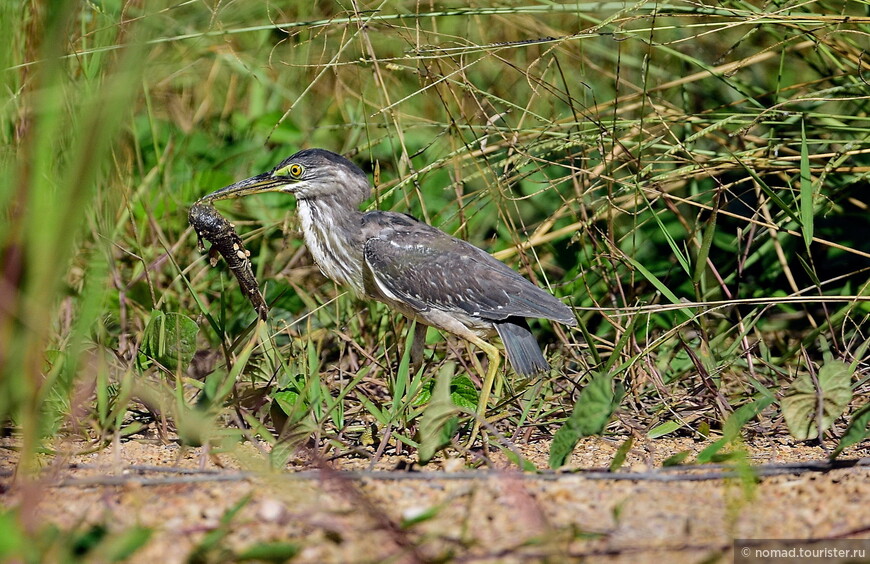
(426, 268)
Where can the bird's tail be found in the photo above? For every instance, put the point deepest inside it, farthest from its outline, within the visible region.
(522, 349)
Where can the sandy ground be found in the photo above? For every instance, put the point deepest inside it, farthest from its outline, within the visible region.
(446, 511)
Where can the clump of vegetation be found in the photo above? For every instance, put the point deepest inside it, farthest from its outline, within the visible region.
(690, 178)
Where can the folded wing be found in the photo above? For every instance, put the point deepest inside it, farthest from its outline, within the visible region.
(428, 269)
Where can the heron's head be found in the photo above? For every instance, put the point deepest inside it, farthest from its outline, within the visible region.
(311, 174)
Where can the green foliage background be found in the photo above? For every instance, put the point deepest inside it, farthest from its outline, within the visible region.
(691, 178)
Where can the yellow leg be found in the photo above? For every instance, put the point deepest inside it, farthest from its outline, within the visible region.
(486, 388)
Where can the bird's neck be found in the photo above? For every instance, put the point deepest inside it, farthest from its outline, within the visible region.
(332, 234)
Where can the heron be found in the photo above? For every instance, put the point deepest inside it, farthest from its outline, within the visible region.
(416, 269)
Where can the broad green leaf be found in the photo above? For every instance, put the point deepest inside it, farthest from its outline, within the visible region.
(858, 430)
(170, 339)
(462, 392)
(593, 410)
(802, 400)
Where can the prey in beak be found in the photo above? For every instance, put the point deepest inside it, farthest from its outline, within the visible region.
(214, 228)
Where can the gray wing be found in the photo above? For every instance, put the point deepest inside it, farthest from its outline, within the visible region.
(428, 269)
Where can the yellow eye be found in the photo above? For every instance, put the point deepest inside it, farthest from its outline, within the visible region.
(294, 170)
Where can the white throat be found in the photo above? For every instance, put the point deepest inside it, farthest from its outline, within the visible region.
(330, 241)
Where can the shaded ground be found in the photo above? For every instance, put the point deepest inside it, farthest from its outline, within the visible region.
(486, 516)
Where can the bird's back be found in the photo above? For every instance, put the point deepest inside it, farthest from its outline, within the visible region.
(428, 269)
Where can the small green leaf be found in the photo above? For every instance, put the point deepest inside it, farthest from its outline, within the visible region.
(286, 400)
(710, 450)
(704, 251)
(858, 430)
(664, 429)
(621, 453)
(212, 540)
(121, 546)
(802, 400)
(732, 426)
(195, 426)
(421, 517)
(269, 552)
(12, 538)
(289, 404)
(593, 410)
(170, 339)
(86, 542)
(439, 421)
(522, 463)
(676, 459)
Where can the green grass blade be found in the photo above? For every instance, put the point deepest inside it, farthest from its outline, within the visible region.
(660, 286)
(806, 185)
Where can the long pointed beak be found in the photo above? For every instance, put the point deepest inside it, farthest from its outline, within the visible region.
(255, 185)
